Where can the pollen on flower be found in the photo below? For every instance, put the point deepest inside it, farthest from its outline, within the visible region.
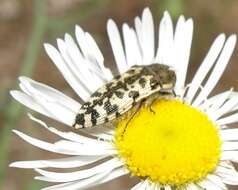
(175, 146)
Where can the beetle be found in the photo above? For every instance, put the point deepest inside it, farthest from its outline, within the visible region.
(139, 84)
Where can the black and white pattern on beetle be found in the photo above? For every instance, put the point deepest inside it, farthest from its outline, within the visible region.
(123, 92)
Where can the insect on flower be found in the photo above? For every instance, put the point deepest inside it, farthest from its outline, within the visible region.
(138, 85)
(163, 150)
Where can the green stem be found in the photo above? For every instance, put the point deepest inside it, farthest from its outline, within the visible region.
(13, 110)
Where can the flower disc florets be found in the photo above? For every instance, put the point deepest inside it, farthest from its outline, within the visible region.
(176, 145)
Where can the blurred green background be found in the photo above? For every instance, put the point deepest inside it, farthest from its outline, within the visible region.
(26, 24)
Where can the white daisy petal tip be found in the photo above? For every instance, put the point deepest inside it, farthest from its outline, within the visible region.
(47, 46)
(50, 50)
(78, 30)
(146, 9)
(20, 164)
(40, 171)
(67, 36)
(167, 15)
(181, 19)
(233, 38)
(13, 165)
(22, 78)
(13, 93)
(60, 42)
(18, 133)
(110, 21)
(146, 12)
(190, 23)
(110, 24)
(38, 178)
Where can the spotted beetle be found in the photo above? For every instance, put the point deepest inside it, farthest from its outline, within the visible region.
(140, 83)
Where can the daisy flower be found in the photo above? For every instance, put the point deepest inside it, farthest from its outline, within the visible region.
(186, 144)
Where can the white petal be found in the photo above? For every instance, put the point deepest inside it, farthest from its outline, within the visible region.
(117, 47)
(121, 171)
(101, 133)
(137, 186)
(206, 184)
(226, 164)
(71, 136)
(107, 130)
(218, 70)
(49, 109)
(100, 130)
(138, 29)
(231, 155)
(217, 181)
(103, 136)
(58, 149)
(142, 185)
(147, 31)
(59, 112)
(44, 100)
(74, 52)
(82, 41)
(205, 66)
(230, 180)
(229, 145)
(79, 147)
(146, 185)
(193, 187)
(228, 176)
(167, 188)
(133, 54)
(70, 162)
(166, 41)
(208, 103)
(90, 182)
(94, 51)
(50, 93)
(29, 102)
(228, 120)
(215, 102)
(229, 134)
(81, 184)
(182, 42)
(235, 96)
(82, 174)
(66, 72)
(96, 59)
(93, 58)
(152, 186)
(70, 63)
(42, 144)
(97, 54)
(226, 108)
(81, 65)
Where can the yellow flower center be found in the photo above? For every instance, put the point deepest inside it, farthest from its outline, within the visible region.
(176, 145)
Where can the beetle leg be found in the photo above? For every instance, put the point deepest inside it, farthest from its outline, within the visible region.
(137, 109)
(174, 93)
